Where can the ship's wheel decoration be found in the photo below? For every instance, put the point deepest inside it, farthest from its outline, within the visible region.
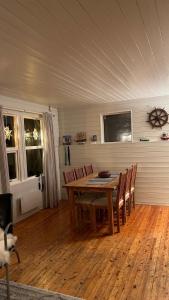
(158, 117)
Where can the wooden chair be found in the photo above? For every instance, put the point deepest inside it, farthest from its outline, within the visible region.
(7, 240)
(127, 192)
(6, 218)
(4, 260)
(132, 185)
(79, 173)
(88, 169)
(82, 203)
(69, 176)
(118, 203)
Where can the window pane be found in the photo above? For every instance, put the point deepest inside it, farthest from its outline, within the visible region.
(117, 127)
(32, 132)
(12, 165)
(9, 131)
(34, 162)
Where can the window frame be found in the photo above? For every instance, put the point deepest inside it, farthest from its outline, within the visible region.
(15, 149)
(102, 115)
(20, 147)
(25, 148)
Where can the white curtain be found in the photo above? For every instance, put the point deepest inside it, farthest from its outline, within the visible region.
(4, 172)
(51, 193)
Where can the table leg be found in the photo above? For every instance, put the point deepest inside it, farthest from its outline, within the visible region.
(72, 208)
(110, 212)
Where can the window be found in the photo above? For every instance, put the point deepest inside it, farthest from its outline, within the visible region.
(12, 149)
(32, 132)
(24, 146)
(33, 146)
(34, 162)
(116, 127)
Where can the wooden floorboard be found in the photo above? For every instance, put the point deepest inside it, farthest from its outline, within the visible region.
(133, 264)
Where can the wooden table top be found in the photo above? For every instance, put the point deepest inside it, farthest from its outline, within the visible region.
(84, 183)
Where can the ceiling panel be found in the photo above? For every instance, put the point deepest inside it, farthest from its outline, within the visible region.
(77, 52)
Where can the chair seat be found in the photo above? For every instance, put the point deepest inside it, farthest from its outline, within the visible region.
(103, 202)
(84, 200)
(132, 189)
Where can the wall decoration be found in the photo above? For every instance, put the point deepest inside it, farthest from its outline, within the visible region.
(144, 139)
(158, 117)
(8, 133)
(67, 155)
(94, 138)
(165, 136)
(81, 137)
(35, 134)
(67, 139)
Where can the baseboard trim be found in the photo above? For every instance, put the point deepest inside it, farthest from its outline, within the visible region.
(153, 203)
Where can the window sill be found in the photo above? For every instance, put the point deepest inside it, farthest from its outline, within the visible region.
(16, 182)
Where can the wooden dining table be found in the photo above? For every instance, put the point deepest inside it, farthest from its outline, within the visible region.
(85, 184)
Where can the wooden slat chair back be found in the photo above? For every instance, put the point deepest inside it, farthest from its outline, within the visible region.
(121, 187)
(134, 173)
(69, 176)
(79, 173)
(127, 192)
(120, 200)
(132, 185)
(88, 169)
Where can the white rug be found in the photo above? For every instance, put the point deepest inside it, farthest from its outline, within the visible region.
(20, 291)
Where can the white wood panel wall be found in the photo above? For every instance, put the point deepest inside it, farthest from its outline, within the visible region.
(152, 185)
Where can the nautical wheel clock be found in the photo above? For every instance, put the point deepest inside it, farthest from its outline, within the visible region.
(158, 117)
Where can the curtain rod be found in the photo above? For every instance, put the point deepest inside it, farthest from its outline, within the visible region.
(22, 110)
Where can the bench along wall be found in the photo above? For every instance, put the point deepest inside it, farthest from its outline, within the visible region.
(152, 185)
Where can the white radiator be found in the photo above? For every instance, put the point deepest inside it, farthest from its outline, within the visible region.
(30, 201)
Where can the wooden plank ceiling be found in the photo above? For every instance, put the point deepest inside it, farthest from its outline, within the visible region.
(74, 52)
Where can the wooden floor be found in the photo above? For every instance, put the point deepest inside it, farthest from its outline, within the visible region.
(131, 265)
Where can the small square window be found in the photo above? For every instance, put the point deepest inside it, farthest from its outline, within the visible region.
(32, 132)
(117, 127)
(34, 162)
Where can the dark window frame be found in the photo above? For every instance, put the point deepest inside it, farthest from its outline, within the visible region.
(104, 139)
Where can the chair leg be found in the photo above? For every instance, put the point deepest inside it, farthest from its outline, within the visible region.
(17, 255)
(7, 282)
(118, 220)
(124, 214)
(134, 199)
(129, 206)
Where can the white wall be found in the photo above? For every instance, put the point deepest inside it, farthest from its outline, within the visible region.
(152, 185)
(26, 189)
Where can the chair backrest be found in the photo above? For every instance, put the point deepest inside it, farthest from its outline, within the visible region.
(69, 176)
(121, 187)
(128, 180)
(6, 211)
(133, 177)
(79, 173)
(88, 169)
